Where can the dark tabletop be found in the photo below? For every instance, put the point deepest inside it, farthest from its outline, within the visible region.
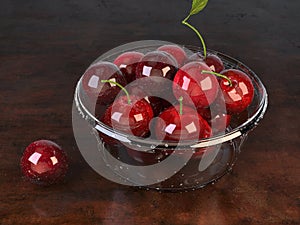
(46, 45)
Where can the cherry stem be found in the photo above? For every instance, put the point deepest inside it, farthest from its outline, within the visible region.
(180, 104)
(120, 86)
(184, 22)
(218, 75)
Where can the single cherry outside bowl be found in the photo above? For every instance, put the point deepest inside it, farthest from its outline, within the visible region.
(162, 165)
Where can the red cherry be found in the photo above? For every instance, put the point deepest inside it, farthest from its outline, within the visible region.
(157, 63)
(188, 126)
(105, 93)
(127, 63)
(158, 104)
(218, 119)
(177, 52)
(202, 88)
(215, 63)
(197, 56)
(238, 96)
(44, 162)
(174, 127)
(132, 118)
(219, 122)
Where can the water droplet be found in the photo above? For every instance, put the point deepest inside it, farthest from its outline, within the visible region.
(166, 145)
(152, 146)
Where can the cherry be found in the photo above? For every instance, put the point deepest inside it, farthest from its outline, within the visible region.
(201, 88)
(177, 52)
(188, 125)
(131, 117)
(157, 63)
(214, 62)
(174, 124)
(158, 104)
(218, 120)
(216, 114)
(127, 63)
(238, 93)
(44, 162)
(105, 93)
(197, 56)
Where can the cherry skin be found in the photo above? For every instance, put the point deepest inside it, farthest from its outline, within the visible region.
(103, 93)
(215, 63)
(130, 118)
(127, 63)
(216, 115)
(44, 163)
(219, 121)
(202, 88)
(177, 52)
(239, 95)
(197, 56)
(157, 63)
(171, 126)
(158, 104)
(175, 127)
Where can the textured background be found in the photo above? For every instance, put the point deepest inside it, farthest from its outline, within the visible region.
(45, 46)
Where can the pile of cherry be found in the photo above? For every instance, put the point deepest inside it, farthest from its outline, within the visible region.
(196, 85)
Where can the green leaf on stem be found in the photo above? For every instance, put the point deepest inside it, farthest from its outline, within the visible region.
(197, 6)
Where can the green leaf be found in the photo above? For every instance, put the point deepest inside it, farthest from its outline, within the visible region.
(197, 6)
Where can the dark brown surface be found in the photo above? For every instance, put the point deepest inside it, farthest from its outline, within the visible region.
(46, 45)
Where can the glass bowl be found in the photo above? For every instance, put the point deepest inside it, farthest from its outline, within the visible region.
(162, 165)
